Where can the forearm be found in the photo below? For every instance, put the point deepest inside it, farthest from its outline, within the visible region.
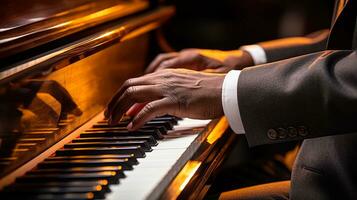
(295, 46)
(303, 97)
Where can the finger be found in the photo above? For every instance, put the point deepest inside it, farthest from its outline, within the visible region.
(172, 63)
(135, 109)
(134, 94)
(150, 111)
(157, 61)
(143, 80)
(187, 60)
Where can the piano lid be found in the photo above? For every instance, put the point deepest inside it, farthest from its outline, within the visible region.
(28, 24)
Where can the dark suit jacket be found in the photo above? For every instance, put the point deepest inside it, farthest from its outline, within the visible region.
(311, 98)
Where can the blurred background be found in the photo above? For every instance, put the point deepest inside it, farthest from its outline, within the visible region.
(228, 24)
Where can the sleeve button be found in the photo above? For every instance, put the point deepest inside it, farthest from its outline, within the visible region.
(282, 133)
(272, 134)
(302, 131)
(292, 132)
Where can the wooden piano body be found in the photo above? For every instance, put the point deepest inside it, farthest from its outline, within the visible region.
(60, 62)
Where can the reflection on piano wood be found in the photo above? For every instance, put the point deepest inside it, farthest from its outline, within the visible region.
(54, 143)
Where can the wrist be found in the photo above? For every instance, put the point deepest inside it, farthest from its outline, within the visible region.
(238, 59)
(256, 52)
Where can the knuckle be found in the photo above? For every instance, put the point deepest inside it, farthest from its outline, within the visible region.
(127, 83)
(130, 92)
(195, 54)
(148, 108)
(160, 56)
(166, 64)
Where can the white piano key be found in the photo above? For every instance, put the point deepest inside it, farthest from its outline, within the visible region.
(152, 169)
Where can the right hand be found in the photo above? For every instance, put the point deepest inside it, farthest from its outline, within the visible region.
(202, 59)
(179, 92)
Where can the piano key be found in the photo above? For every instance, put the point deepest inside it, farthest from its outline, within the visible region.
(98, 191)
(67, 196)
(173, 120)
(76, 170)
(155, 133)
(141, 181)
(162, 129)
(131, 158)
(136, 150)
(103, 183)
(111, 177)
(168, 125)
(85, 163)
(151, 140)
(142, 143)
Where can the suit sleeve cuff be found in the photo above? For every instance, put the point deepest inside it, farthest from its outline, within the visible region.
(257, 53)
(230, 101)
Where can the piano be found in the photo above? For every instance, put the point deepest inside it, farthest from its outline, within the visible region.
(60, 62)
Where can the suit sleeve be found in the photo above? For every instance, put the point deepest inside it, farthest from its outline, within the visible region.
(295, 46)
(303, 97)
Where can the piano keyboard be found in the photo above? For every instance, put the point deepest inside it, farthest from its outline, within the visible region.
(108, 162)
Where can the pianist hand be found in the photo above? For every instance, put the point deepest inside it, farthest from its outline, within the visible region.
(202, 59)
(179, 92)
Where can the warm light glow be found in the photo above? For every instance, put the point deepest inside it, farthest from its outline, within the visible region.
(103, 182)
(218, 130)
(98, 188)
(90, 195)
(188, 171)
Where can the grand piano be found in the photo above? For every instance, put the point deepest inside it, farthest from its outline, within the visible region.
(60, 62)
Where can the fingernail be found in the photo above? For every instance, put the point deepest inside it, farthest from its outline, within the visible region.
(130, 126)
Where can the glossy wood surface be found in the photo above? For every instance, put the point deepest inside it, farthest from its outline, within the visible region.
(85, 74)
(27, 24)
(117, 32)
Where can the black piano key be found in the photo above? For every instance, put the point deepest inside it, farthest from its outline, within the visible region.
(173, 120)
(155, 133)
(142, 143)
(150, 139)
(98, 191)
(67, 196)
(162, 128)
(85, 163)
(136, 150)
(111, 177)
(103, 183)
(168, 125)
(131, 157)
(117, 169)
(169, 118)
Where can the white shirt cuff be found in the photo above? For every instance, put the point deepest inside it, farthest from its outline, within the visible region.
(230, 101)
(257, 53)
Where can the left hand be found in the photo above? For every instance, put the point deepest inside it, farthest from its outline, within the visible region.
(202, 60)
(179, 92)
